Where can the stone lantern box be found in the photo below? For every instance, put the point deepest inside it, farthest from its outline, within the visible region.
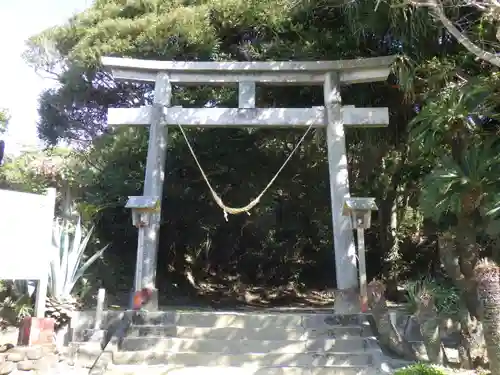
(142, 208)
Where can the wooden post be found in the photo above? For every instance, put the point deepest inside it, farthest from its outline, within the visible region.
(363, 287)
(139, 261)
(153, 184)
(41, 297)
(41, 292)
(343, 241)
(99, 311)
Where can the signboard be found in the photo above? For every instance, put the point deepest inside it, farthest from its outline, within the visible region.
(25, 238)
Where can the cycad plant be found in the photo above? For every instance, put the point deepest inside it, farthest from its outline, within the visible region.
(448, 120)
(461, 186)
(458, 194)
(456, 150)
(67, 267)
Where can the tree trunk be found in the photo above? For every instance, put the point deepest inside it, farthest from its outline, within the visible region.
(388, 218)
(428, 319)
(451, 261)
(388, 333)
(488, 287)
(464, 346)
(472, 329)
(468, 248)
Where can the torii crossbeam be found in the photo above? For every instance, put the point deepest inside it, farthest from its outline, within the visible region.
(333, 116)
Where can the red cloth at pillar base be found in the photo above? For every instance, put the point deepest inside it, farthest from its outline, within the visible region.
(36, 331)
(364, 305)
(141, 298)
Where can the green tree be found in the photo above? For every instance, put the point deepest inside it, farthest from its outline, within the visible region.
(454, 141)
(4, 120)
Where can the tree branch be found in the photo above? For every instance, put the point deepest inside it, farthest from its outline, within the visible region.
(437, 10)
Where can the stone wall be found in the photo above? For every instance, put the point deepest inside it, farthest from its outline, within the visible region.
(36, 358)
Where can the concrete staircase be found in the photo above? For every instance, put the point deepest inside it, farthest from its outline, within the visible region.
(260, 343)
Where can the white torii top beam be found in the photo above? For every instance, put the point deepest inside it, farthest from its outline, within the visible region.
(273, 72)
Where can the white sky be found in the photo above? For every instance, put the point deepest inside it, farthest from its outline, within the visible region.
(20, 85)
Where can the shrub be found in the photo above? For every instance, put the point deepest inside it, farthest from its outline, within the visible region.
(420, 369)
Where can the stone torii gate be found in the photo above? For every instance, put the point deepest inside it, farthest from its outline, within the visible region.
(333, 116)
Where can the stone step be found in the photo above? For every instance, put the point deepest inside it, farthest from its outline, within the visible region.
(243, 360)
(175, 344)
(250, 320)
(233, 370)
(235, 333)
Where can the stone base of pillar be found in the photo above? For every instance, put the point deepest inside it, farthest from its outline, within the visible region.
(152, 304)
(347, 302)
(94, 335)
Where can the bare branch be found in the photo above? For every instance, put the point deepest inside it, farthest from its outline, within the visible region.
(437, 10)
(466, 42)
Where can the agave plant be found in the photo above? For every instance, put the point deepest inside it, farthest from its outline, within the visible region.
(67, 267)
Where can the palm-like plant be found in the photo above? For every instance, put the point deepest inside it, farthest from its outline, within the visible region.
(454, 113)
(447, 136)
(462, 190)
(438, 119)
(462, 186)
(461, 158)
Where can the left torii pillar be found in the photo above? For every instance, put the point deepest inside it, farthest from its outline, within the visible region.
(147, 247)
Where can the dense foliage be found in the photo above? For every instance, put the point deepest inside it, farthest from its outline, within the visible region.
(434, 170)
(420, 369)
(4, 119)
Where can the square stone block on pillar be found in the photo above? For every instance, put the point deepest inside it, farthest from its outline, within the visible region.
(152, 304)
(36, 331)
(347, 301)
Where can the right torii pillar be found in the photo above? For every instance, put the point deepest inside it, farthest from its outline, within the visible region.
(346, 296)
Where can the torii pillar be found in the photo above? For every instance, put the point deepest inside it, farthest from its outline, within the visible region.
(333, 116)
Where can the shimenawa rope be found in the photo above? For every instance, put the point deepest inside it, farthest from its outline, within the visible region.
(238, 210)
